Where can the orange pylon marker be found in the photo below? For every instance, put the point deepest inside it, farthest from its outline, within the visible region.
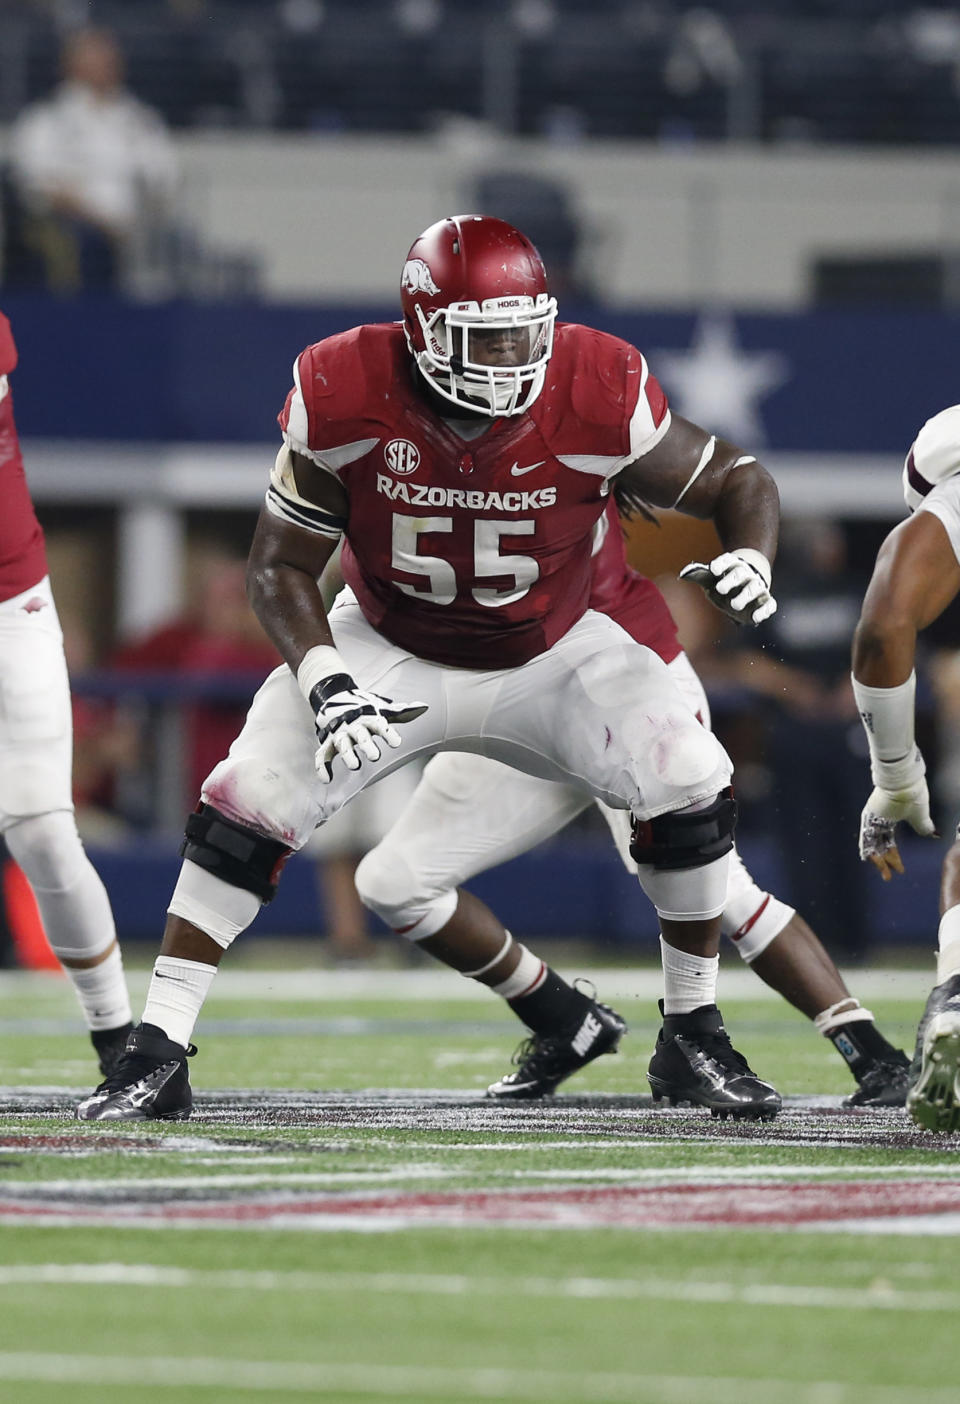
(23, 917)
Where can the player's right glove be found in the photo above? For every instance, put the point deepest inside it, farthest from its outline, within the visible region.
(350, 721)
(737, 583)
(885, 809)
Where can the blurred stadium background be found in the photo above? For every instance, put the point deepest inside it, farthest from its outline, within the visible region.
(764, 198)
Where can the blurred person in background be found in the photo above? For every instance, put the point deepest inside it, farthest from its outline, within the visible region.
(36, 805)
(799, 663)
(470, 814)
(916, 576)
(91, 166)
(467, 457)
(217, 639)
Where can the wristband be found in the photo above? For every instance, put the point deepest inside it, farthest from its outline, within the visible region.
(757, 559)
(887, 714)
(318, 664)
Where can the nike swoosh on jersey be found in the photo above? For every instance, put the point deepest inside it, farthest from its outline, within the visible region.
(518, 472)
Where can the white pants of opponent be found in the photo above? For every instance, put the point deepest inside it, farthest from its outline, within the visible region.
(469, 814)
(597, 711)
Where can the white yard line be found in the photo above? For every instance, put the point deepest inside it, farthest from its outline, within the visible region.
(719, 1292)
(301, 986)
(665, 1175)
(327, 1379)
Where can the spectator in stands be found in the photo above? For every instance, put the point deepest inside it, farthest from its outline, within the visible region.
(89, 165)
(217, 637)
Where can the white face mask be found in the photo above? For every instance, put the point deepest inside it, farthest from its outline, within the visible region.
(490, 358)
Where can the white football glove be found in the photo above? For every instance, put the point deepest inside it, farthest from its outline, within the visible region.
(883, 811)
(348, 721)
(746, 572)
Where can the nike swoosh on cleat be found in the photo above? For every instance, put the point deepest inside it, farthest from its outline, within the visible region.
(518, 472)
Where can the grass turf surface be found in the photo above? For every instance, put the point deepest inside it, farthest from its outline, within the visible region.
(441, 1312)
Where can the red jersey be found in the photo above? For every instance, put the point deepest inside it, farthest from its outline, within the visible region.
(23, 558)
(629, 597)
(469, 552)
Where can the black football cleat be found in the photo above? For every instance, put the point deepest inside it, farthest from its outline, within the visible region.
(883, 1083)
(109, 1045)
(149, 1082)
(543, 1061)
(934, 1098)
(695, 1063)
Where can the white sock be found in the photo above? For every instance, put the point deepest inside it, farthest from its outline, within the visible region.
(948, 956)
(102, 992)
(689, 981)
(527, 977)
(176, 994)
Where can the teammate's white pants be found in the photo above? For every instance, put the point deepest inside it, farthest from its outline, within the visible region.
(469, 814)
(36, 805)
(596, 711)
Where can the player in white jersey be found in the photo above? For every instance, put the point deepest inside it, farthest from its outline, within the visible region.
(916, 576)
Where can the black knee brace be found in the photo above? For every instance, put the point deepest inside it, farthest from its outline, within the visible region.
(686, 838)
(233, 852)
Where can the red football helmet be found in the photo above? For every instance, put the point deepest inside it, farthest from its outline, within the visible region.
(477, 314)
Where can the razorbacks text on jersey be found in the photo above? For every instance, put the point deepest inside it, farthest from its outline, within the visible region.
(473, 553)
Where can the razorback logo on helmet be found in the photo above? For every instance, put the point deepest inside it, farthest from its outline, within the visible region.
(417, 277)
(402, 457)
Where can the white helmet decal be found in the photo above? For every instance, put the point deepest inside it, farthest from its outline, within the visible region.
(417, 277)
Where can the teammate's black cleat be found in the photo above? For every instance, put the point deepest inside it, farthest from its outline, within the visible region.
(543, 1061)
(109, 1045)
(941, 997)
(694, 1062)
(149, 1082)
(883, 1083)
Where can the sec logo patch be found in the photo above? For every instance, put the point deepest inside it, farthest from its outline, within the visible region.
(402, 457)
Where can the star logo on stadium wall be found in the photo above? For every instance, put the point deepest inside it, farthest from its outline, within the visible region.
(718, 384)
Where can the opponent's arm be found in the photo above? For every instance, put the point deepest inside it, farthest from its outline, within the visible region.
(916, 576)
(707, 477)
(283, 570)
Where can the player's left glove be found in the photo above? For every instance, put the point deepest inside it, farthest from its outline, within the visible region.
(351, 721)
(885, 809)
(737, 583)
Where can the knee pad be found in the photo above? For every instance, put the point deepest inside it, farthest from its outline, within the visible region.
(48, 849)
(686, 838)
(385, 884)
(232, 852)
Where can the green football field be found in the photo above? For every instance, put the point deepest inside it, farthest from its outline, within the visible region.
(347, 1218)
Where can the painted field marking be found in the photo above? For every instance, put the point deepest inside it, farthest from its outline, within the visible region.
(718, 1293)
(749, 1175)
(326, 1378)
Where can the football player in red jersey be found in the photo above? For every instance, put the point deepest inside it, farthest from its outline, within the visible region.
(469, 814)
(36, 742)
(467, 456)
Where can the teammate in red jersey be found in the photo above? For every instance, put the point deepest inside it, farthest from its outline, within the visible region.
(36, 741)
(469, 814)
(467, 456)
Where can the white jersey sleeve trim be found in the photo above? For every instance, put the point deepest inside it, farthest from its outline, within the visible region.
(4, 387)
(944, 502)
(705, 458)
